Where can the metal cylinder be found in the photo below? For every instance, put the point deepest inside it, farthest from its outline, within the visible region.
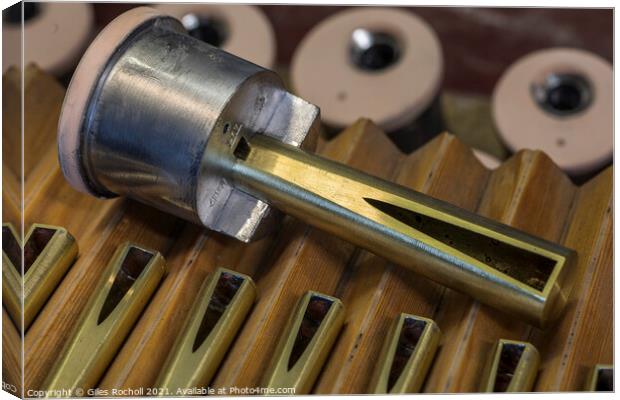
(164, 113)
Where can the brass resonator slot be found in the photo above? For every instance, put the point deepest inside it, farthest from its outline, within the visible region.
(406, 355)
(508, 361)
(305, 343)
(36, 243)
(123, 291)
(243, 149)
(317, 309)
(48, 253)
(605, 380)
(512, 367)
(600, 379)
(11, 247)
(131, 268)
(408, 340)
(532, 269)
(225, 290)
(220, 308)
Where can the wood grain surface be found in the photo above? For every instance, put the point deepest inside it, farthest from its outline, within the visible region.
(528, 191)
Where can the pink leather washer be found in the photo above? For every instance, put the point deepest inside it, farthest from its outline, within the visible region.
(84, 80)
(578, 143)
(322, 71)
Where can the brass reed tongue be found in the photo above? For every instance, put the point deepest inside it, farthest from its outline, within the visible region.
(512, 367)
(492, 262)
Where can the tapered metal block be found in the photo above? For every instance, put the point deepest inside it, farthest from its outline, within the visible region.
(48, 253)
(125, 288)
(406, 356)
(305, 343)
(219, 311)
(512, 367)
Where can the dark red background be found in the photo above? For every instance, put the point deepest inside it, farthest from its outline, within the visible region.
(478, 43)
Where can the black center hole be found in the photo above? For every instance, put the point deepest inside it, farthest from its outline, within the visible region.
(209, 29)
(563, 94)
(373, 51)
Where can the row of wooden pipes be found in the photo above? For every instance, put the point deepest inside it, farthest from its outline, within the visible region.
(224, 302)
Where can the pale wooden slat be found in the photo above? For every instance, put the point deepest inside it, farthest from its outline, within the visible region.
(57, 203)
(11, 147)
(11, 211)
(43, 97)
(11, 121)
(11, 355)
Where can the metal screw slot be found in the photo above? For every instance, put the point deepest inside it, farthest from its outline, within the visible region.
(563, 94)
(209, 29)
(13, 14)
(374, 51)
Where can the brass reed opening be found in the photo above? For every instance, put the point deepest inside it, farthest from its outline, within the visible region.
(10, 247)
(225, 290)
(242, 150)
(316, 311)
(529, 268)
(563, 94)
(507, 365)
(37, 241)
(373, 51)
(135, 261)
(410, 335)
(605, 380)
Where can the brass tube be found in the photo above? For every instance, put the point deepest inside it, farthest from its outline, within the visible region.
(406, 356)
(304, 346)
(492, 262)
(512, 367)
(47, 254)
(220, 309)
(124, 290)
